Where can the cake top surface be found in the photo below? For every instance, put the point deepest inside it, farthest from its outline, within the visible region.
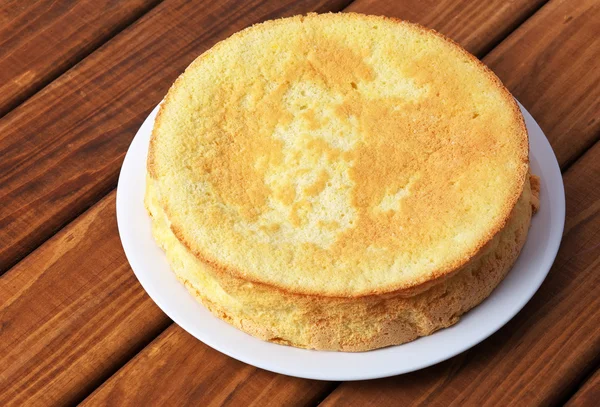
(338, 154)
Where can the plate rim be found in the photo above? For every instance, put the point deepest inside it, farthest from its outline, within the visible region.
(123, 204)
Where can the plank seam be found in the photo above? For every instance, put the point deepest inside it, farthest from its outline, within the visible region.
(98, 382)
(510, 30)
(576, 158)
(578, 384)
(326, 393)
(78, 58)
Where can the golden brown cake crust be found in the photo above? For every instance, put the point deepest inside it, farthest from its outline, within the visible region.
(261, 225)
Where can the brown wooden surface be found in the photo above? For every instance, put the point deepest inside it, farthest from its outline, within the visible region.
(69, 140)
(62, 149)
(557, 55)
(129, 377)
(72, 313)
(588, 394)
(50, 297)
(476, 25)
(40, 40)
(191, 373)
(68, 267)
(539, 356)
(119, 271)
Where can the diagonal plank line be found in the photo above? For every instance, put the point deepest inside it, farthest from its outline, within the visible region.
(505, 34)
(585, 385)
(109, 187)
(77, 293)
(108, 373)
(499, 36)
(578, 385)
(588, 146)
(92, 47)
(565, 168)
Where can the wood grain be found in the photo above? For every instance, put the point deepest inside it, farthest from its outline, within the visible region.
(588, 394)
(71, 313)
(90, 154)
(71, 200)
(554, 338)
(62, 149)
(477, 25)
(371, 393)
(42, 39)
(556, 56)
(539, 356)
(191, 373)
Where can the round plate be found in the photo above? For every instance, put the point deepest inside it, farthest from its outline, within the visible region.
(152, 270)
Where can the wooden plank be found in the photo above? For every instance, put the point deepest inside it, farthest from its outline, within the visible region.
(588, 394)
(477, 25)
(539, 356)
(140, 369)
(118, 302)
(72, 312)
(556, 57)
(42, 39)
(116, 350)
(191, 373)
(62, 150)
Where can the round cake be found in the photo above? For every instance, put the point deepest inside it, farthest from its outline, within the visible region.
(339, 181)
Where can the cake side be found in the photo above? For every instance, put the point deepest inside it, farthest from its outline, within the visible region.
(343, 324)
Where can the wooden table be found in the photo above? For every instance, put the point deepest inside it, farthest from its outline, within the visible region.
(76, 81)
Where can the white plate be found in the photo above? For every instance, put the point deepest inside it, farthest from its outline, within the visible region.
(152, 270)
